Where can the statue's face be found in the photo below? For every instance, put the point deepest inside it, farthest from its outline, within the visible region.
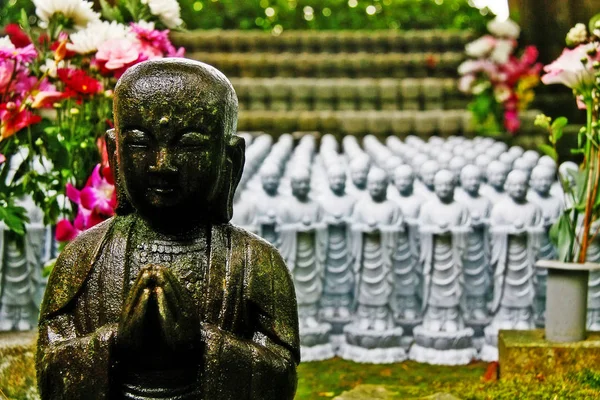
(377, 187)
(470, 182)
(542, 182)
(404, 182)
(359, 177)
(170, 149)
(337, 183)
(300, 187)
(270, 182)
(497, 177)
(427, 176)
(444, 188)
(517, 188)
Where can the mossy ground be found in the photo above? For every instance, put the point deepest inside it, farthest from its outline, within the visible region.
(407, 380)
(327, 379)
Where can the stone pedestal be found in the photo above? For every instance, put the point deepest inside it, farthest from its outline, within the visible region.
(443, 348)
(369, 346)
(315, 343)
(478, 332)
(528, 352)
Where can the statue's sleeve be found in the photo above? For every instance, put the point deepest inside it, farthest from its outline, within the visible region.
(263, 367)
(71, 365)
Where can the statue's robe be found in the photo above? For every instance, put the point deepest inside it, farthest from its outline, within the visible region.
(244, 294)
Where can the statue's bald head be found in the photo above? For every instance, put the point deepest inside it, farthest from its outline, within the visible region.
(171, 89)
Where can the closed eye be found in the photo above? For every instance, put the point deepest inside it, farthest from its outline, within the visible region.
(193, 139)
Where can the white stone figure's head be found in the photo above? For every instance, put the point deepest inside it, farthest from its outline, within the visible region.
(359, 170)
(270, 176)
(404, 179)
(377, 182)
(496, 174)
(541, 179)
(337, 178)
(516, 185)
(567, 170)
(470, 179)
(444, 185)
(428, 171)
(300, 182)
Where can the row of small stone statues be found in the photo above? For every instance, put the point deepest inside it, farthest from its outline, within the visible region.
(421, 246)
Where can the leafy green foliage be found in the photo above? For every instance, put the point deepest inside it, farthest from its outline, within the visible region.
(280, 15)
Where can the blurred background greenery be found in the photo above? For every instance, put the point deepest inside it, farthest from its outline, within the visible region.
(279, 15)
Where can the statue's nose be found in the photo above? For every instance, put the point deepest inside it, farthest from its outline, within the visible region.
(164, 162)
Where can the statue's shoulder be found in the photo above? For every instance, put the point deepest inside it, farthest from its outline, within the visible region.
(255, 246)
(72, 267)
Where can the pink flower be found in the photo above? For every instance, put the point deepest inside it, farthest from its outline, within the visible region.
(46, 98)
(118, 53)
(2, 158)
(466, 82)
(159, 40)
(21, 55)
(6, 69)
(98, 195)
(480, 47)
(570, 71)
(511, 121)
(65, 231)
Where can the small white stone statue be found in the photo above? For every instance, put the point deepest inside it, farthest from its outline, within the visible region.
(444, 225)
(516, 229)
(359, 170)
(268, 204)
(373, 336)
(406, 301)
(496, 177)
(338, 289)
(303, 240)
(427, 174)
(476, 263)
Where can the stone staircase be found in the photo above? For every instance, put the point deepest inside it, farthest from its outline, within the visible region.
(343, 82)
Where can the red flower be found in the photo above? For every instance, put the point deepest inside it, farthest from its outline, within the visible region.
(16, 35)
(78, 82)
(14, 119)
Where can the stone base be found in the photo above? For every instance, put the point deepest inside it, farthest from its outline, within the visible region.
(314, 336)
(337, 324)
(478, 332)
(443, 348)
(368, 346)
(528, 352)
(442, 357)
(370, 339)
(319, 352)
(388, 355)
(489, 351)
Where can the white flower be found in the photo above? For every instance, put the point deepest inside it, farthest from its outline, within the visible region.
(502, 93)
(89, 39)
(6, 43)
(577, 35)
(51, 66)
(502, 50)
(465, 83)
(79, 11)
(480, 87)
(149, 25)
(507, 28)
(480, 47)
(168, 11)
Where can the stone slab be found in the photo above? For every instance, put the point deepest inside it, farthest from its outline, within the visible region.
(529, 353)
(378, 392)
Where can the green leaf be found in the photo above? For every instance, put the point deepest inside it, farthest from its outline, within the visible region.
(111, 13)
(549, 150)
(557, 128)
(563, 237)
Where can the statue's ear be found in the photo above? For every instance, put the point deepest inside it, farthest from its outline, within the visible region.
(123, 205)
(231, 176)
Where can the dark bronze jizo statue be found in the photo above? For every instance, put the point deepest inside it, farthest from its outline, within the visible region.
(167, 300)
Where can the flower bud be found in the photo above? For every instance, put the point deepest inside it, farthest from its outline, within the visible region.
(74, 111)
(39, 142)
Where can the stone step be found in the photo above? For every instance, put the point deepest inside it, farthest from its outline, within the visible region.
(306, 94)
(380, 123)
(323, 41)
(325, 65)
